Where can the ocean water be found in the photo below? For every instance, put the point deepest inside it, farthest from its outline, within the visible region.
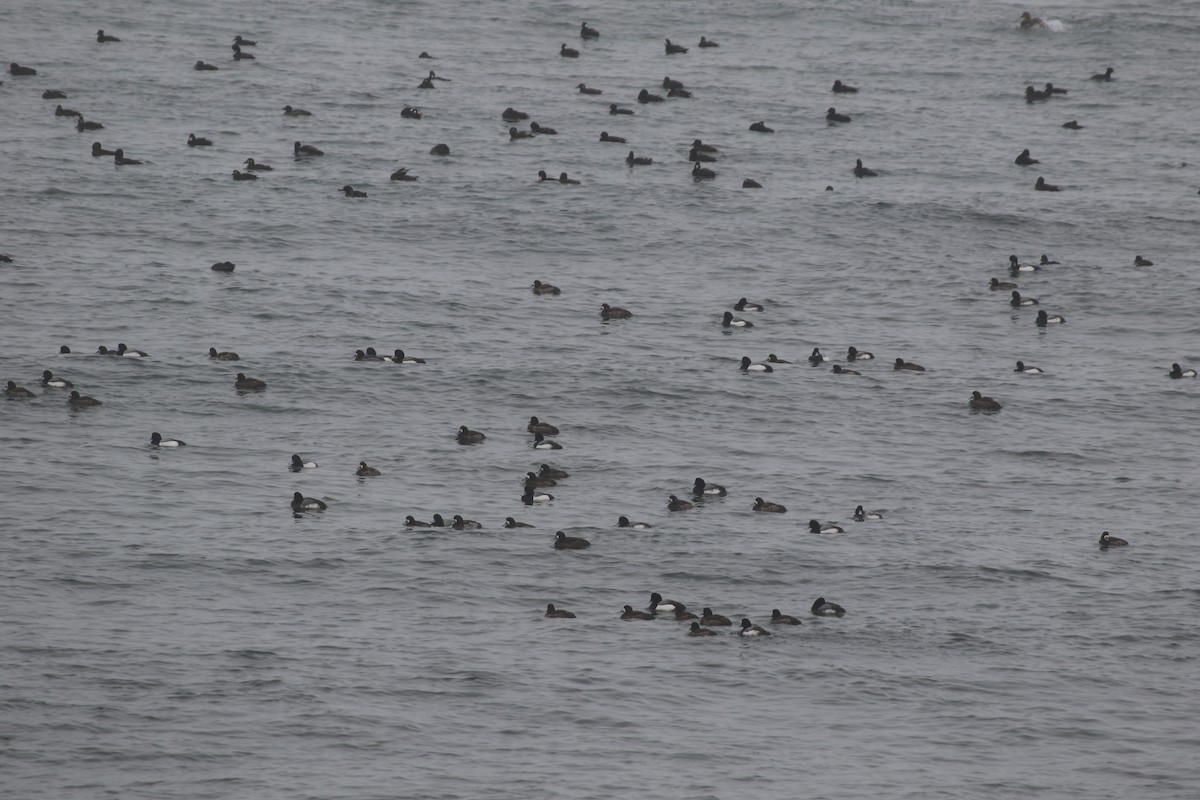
(170, 629)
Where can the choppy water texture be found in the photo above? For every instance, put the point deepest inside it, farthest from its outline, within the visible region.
(169, 629)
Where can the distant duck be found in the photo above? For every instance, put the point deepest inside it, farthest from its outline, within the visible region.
(515, 133)
(412, 522)
(838, 369)
(730, 321)
(1179, 372)
(980, 403)
(1042, 186)
(1138, 261)
(255, 167)
(613, 312)
(306, 150)
(1017, 300)
(102, 350)
(426, 55)
(350, 191)
(1043, 319)
(628, 613)
(1103, 76)
(708, 42)
(238, 55)
(748, 366)
(669, 83)
(1015, 265)
(77, 400)
(238, 175)
(202, 67)
(302, 503)
(248, 384)
(633, 160)
(128, 352)
(402, 175)
(564, 542)
(288, 111)
(815, 358)
(623, 522)
(103, 37)
(707, 617)
(700, 147)
(604, 137)
(702, 489)
(750, 629)
(854, 354)
(547, 471)
(51, 382)
(1050, 88)
(467, 436)
(568, 52)
(542, 130)
(771, 508)
(1024, 159)
(433, 76)
(657, 604)
(673, 49)
(364, 471)
(1029, 21)
(761, 127)
(681, 93)
(1026, 370)
(585, 89)
(436, 521)
(240, 40)
(14, 392)
(64, 350)
(998, 285)
(540, 442)
(841, 88)
(783, 619)
(586, 32)
(1107, 541)
(563, 178)
(157, 440)
(1073, 125)
(613, 108)
(223, 266)
(531, 496)
(17, 70)
(900, 363)
(398, 357)
(537, 426)
(1045, 262)
(644, 96)
(833, 116)
(197, 141)
(461, 524)
(297, 464)
(817, 527)
(863, 172)
(408, 112)
(864, 516)
(97, 150)
(675, 504)
(1033, 95)
(427, 83)
(510, 114)
(750, 183)
(440, 150)
(545, 288)
(683, 615)
(557, 613)
(59, 111)
(82, 124)
(700, 173)
(54, 94)
(510, 523)
(745, 305)
(821, 608)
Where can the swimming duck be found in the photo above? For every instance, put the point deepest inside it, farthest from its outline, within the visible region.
(197, 141)
(156, 440)
(700, 173)
(102, 350)
(750, 183)
(841, 88)
(427, 83)
(17, 70)
(833, 116)
(730, 321)
(817, 527)
(255, 167)
(586, 32)
(980, 403)
(412, 522)
(82, 124)
(54, 94)
(633, 160)
(838, 369)
(557, 613)
(747, 366)
(623, 522)
(681, 93)
(772, 508)
(749, 629)
(1179, 372)
(815, 358)
(51, 382)
(563, 178)
(14, 392)
(675, 504)
(900, 363)
(613, 108)
(745, 305)
(1138, 261)
(363, 355)
(564, 542)
(302, 503)
(701, 147)
(1027, 370)
(426, 55)
(547, 471)
(122, 350)
(854, 354)
(1015, 266)
(306, 150)
(1042, 186)
(613, 312)
(1033, 95)
(364, 471)
(1050, 88)
(510, 114)
(701, 489)
(202, 67)
(238, 55)
(701, 157)
(103, 37)
(1104, 76)
(707, 617)
(77, 400)
(467, 436)
(604, 137)
(64, 350)
(657, 604)
(509, 522)
(537, 426)
(461, 524)
(1024, 159)
(783, 619)
(1107, 541)
(1017, 300)
(1029, 21)
(288, 111)
(568, 52)
(238, 175)
(644, 97)
(248, 384)
(299, 463)
(440, 150)
(1046, 261)
(682, 614)
(408, 112)
(821, 608)
(350, 191)
(514, 134)
(761, 127)
(240, 40)
(531, 495)
(585, 89)
(545, 288)
(1043, 319)
(402, 175)
(1073, 125)
(542, 129)
(863, 172)
(540, 442)
(998, 285)
(863, 516)
(672, 49)
(59, 111)
(669, 83)
(629, 613)
(708, 42)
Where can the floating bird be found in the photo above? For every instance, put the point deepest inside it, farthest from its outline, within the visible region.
(1107, 541)
(980, 403)
(157, 440)
(675, 504)
(564, 542)
(708, 42)
(288, 111)
(761, 127)
(364, 471)
(816, 527)
(749, 629)
(586, 32)
(864, 516)
(306, 150)
(673, 49)
(770, 508)
(821, 608)
(251, 165)
(585, 89)
(248, 384)
(833, 116)
(103, 37)
(196, 141)
(1042, 186)
(841, 88)
(863, 172)
(568, 52)
(302, 503)
(748, 366)
(613, 312)
(540, 288)
(557, 613)
(467, 436)
(783, 619)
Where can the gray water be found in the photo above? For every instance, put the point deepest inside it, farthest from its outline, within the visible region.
(170, 629)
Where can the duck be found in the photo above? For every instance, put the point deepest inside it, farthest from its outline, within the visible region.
(1050, 88)
(854, 354)
(628, 613)
(127, 352)
(547, 471)
(708, 42)
(565, 179)
(1029, 21)
(54, 94)
(1024, 159)
(682, 93)
(998, 285)
(815, 358)
(533, 480)
(515, 133)
(82, 124)
(761, 127)
(1033, 95)
(288, 111)
(1103, 76)
(748, 366)
(59, 111)
(701, 157)
(537, 426)
(531, 496)
(197, 141)
(1022, 368)
(540, 288)
(540, 442)
(771, 508)
(542, 130)
(1044, 319)
(17, 70)
(436, 521)
(613, 108)
(441, 149)
(427, 83)
(364, 355)
(1017, 300)
(238, 175)
(299, 463)
(102, 350)
(426, 55)
(509, 522)
(63, 350)
(833, 116)
(841, 88)
(302, 503)
(398, 357)
(820, 608)
(78, 400)
(980, 403)
(433, 76)
(51, 382)
(1045, 262)
(409, 112)
(778, 618)
(613, 312)
(586, 32)
(1042, 186)
(585, 89)
(461, 524)
(623, 522)
(900, 363)
(675, 504)
(412, 522)
(1015, 266)
(557, 613)
(248, 384)
(350, 191)
(364, 471)
(745, 305)
(673, 49)
(467, 436)
(817, 527)
(657, 604)
(238, 55)
(103, 37)
(564, 542)
(669, 83)
(750, 629)
(306, 150)
(1138, 261)
(702, 489)
(863, 172)
(750, 183)
(1072, 125)
(865, 516)
(1107, 541)
(1179, 372)
(402, 175)
(240, 40)
(202, 67)
(253, 166)
(838, 369)
(633, 160)
(14, 392)
(510, 114)
(644, 96)
(730, 321)
(683, 615)
(707, 617)
(568, 52)
(156, 440)
(604, 137)
(700, 147)
(700, 173)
